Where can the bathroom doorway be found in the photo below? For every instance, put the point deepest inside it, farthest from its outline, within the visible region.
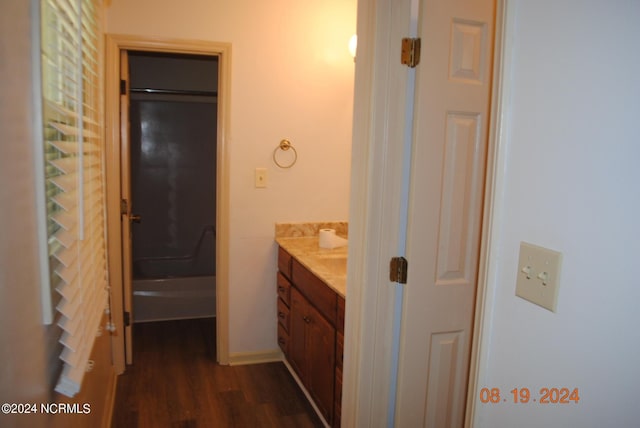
(212, 235)
(172, 148)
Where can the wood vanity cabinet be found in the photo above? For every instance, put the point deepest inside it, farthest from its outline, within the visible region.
(312, 352)
(310, 333)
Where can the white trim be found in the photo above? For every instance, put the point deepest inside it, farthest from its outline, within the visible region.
(494, 189)
(114, 44)
(376, 214)
(355, 371)
(306, 394)
(242, 358)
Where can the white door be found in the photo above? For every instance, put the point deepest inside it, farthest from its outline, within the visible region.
(126, 216)
(445, 205)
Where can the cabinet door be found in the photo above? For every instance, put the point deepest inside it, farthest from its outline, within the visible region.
(321, 345)
(298, 324)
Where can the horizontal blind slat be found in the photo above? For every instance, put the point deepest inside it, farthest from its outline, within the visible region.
(66, 238)
(66, 129)
(68, 275)
(66, 182)
(65, 147)
(65, 220)
(53, 108)
(66, 256)
(73, 342)
(70, 357)
(67, 201)
(66, 165)
(69, 309)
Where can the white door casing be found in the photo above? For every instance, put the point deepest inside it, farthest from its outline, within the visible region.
(125, 192)
(451, 119)
(377, 212)
(115, 46)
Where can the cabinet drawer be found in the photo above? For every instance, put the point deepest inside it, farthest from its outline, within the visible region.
(284, 262)
(284, 289)
(316, 291)
(283, 340)
(283, 315)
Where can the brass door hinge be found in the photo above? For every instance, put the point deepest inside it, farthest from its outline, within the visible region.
(410, 52)
(127, 319)
(123, 87)
(398, 270)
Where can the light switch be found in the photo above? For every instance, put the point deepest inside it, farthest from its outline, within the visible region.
(538, 275)
(261, 177)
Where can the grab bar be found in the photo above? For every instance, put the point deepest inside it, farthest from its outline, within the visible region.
(175, 92)
(208, 229)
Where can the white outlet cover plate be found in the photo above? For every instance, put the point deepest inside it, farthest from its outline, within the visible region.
(261, 178)
(534, 264)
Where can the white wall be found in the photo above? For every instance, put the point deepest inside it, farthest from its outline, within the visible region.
(26, 352)
(292, 77)
(571, 182)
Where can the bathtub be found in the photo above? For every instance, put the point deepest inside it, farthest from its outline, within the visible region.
(174, 298)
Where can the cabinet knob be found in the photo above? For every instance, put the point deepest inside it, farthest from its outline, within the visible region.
(306, 319)
(281, 315)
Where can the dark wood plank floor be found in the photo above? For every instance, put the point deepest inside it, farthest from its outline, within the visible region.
(175, 382)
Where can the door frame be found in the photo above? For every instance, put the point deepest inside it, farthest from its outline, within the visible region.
(370, 364)
(114, 44)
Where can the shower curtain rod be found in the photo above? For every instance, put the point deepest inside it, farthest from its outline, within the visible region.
(175, 92)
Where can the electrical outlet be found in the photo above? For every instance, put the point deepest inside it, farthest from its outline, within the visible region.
(261, 177)
(538, 275)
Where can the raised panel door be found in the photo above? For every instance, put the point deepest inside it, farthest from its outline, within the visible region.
(450, 130)
(297, 333)
(321, 343)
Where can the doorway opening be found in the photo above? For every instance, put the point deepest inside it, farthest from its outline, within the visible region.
(173, 128)
(211, 241)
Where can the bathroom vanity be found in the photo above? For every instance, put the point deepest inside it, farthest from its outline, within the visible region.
(311, 302)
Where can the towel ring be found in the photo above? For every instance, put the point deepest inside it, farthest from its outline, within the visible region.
(284, 146)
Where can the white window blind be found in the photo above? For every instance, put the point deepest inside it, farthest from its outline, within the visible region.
(72, 103)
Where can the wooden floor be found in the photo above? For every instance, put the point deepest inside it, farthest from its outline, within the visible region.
(175, 382)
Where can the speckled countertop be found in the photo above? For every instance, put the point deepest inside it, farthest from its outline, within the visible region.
(301, 241)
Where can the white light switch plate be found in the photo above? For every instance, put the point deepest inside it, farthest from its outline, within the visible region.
(538, 275)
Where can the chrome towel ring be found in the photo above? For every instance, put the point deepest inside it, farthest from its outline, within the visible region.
(285, 145)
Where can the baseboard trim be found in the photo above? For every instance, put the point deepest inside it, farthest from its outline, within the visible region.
(306, 393)
(242, 358)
